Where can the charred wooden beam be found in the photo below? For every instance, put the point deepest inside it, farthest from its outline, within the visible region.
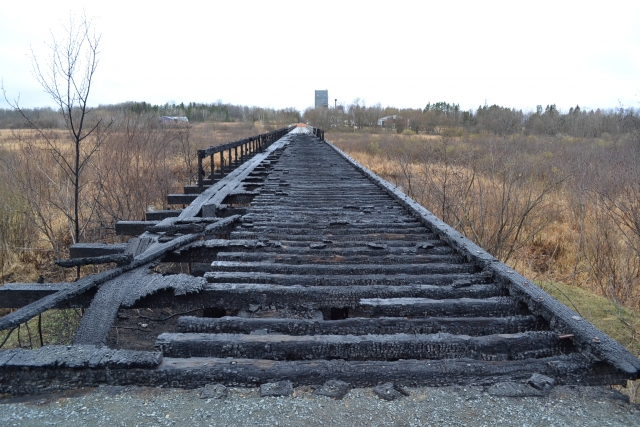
(133, 228)
(378, 236)
(343, 279)
(181, 199)
(341, 269)
(17, 295)
(118, 259)
(160, 215)
(319, 257)
(83, 250)
(241, 296)
(461, 307)
(21, 377)
(194, 189)
(502, 347)
(472, 326)
(209, 249)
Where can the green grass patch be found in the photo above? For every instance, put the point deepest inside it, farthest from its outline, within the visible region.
(620, 323)
(58, 328)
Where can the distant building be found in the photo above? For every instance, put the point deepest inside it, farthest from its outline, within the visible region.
(169, 119)
(322, 98)
(390, 121)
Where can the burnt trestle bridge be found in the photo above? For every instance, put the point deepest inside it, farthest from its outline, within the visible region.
(300, 265)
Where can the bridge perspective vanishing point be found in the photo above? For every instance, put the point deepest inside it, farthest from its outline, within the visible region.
(303, 266)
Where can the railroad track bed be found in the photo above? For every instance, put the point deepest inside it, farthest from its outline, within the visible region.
(301, 265)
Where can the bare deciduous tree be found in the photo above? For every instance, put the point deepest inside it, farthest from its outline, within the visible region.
(67, 76)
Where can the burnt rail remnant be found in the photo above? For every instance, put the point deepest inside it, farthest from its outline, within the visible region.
(303, 266)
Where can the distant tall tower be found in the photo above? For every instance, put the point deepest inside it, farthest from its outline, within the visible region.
(322, 98)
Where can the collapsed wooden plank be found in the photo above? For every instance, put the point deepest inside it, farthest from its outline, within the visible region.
(85, 284)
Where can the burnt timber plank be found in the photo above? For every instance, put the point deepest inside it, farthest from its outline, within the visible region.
(240, 296)
(472, 326)
(180, 199)
(133, 228)
(527, 345)
(16, 295)
(83, 250)
(333, 258)
(341, 269)
(22, 376)
(342, 280)
(119, 259)
(160, 215)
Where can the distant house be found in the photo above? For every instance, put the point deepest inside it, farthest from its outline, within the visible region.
(391, 121)
(169, 119)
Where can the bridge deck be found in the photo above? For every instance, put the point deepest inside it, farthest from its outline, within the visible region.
(321, 270)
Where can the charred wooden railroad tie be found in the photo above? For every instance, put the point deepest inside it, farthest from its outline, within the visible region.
(321, 270)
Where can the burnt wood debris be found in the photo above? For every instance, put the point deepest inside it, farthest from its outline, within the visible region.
(300, 265)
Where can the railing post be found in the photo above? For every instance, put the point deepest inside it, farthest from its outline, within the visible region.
(221, 163)
(213, 170)
(200, 171)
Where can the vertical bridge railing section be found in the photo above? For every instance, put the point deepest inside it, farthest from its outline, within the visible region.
(239, 151)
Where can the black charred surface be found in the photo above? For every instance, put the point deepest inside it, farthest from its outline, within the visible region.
(307, 267)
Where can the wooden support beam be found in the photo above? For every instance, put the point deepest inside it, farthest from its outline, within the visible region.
(82, 250)
(119, 259)
(133, 228)
(181, 199)
(160, 215)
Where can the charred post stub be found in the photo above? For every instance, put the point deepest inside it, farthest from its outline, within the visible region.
(294, 265)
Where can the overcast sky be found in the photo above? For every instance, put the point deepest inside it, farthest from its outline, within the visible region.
(397, 53)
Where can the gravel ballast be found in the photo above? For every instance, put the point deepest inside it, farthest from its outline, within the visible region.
(450, 406)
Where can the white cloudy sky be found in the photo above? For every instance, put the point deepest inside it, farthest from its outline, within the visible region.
(403, 53)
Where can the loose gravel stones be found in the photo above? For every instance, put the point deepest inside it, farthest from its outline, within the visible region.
(389, 391)
(333, 388)
(280, 388)
(214, 391)
(541, 382)
(512, 389)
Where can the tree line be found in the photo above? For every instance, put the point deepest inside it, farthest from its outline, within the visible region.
(49, 118)
(491, 119)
